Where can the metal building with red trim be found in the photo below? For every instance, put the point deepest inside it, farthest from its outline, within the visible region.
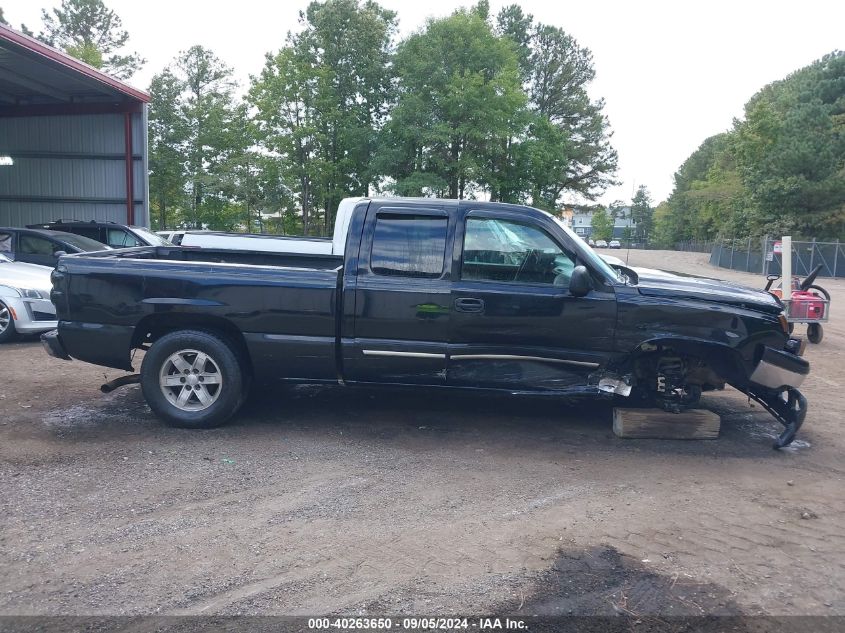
(73, 140)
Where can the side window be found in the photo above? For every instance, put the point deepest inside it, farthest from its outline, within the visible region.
(409, 245)
(504, 250)
(33, 245)
(89, 232)
(117, 238)
(5, 243)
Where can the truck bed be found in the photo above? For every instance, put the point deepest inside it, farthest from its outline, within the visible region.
(284, 305)
(227, 256)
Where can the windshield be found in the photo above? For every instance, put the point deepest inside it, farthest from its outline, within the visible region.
(85, 244)
(587, 253)
(151, 238)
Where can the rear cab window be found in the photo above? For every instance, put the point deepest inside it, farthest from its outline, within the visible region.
(409, 245)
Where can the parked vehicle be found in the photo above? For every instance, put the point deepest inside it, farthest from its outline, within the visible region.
(601, 244)
(174, 237)
(435, 293)
(37, 246)
(25, 306)
(110, 233)
(615, 244)
(591, 242)
(278, 243)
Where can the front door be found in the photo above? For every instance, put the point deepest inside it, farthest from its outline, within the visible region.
(401, 297)
(514, 323)
(37, 249)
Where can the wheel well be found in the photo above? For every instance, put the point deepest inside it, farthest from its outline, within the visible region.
(152, 327)
(724, 361)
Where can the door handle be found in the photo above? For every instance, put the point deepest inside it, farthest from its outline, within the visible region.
(469, 304)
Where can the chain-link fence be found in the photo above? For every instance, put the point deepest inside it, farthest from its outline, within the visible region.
(764, 256)
(695, 246)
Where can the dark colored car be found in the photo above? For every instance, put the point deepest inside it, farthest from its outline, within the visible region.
(428, 293)
(36, 246)
(110, 233)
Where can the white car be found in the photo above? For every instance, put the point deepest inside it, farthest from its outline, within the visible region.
(173, 236)
(601, 244)
(615, 244)
(25, 306)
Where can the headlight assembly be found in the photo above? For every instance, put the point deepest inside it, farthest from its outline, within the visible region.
(28, 293)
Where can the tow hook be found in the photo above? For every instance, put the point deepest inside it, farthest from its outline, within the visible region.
(789, 407)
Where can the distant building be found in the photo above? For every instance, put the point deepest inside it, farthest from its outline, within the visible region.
(582, 222)
(622, 223)
(73, 140)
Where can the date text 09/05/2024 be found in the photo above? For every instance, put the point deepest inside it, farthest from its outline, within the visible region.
(417, 623)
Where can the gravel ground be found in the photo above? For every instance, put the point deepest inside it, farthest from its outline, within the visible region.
(328, 500)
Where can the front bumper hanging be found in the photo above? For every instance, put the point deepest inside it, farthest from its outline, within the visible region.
(789, 407)
(774, 384)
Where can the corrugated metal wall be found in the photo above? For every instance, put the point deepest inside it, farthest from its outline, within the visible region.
(71, 167)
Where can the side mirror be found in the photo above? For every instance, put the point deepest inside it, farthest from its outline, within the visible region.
(59, 253)
(580, 283)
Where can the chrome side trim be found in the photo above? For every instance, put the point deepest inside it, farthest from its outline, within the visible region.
(541, 359)
(379, 352)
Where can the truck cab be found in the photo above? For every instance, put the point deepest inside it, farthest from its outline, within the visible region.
(486, 287)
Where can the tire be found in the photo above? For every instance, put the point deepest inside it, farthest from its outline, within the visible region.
(815, 333)
(7, 324)
(188, 390)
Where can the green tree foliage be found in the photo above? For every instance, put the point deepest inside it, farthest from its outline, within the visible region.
(461, 108)
(642, 213)
(781, 169)
(459, 94)
(602, 224)
(91, 32)
(568, 124)
(167, 137)
(790, 151)
(213, 136)
(321, 101)
(199, 138)
(499, 110)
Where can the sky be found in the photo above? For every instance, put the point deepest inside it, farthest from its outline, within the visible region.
(672, 73)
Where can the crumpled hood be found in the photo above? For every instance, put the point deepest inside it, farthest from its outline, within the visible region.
(658, 283)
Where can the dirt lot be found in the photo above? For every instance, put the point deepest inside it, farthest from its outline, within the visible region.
(324, 500)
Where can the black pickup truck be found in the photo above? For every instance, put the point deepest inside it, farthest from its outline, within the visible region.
(433, 293)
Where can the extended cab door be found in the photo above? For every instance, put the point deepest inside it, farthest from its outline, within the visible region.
(401, 296)
(514, 323)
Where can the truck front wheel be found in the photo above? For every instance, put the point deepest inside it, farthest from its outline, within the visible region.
(192, 379)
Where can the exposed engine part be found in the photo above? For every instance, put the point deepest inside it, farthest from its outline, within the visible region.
(670, 381)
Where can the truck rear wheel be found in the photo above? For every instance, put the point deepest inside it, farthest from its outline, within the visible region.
(192, 379)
